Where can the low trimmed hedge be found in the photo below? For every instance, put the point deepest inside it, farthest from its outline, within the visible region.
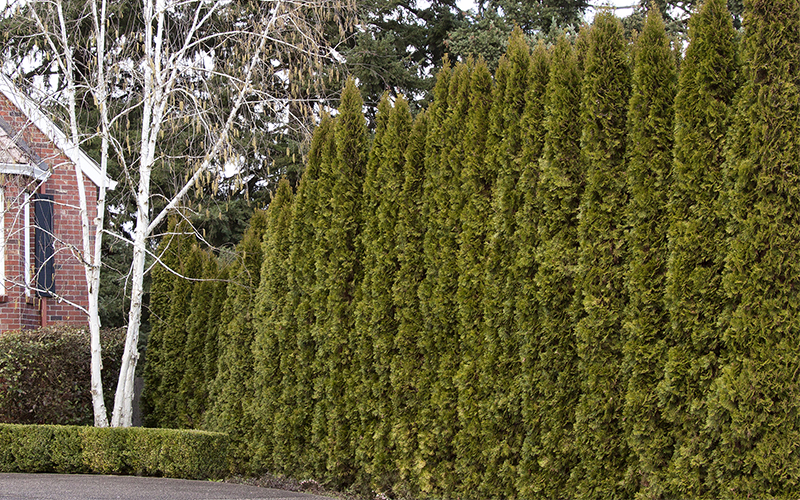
(184, 454)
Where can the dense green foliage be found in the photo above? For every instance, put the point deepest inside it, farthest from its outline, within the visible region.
(754, 404)
(44, 375)
(571, 279)
(600, 272)
(650, 121)
(697, 246)
(550, 358)
(92, 450)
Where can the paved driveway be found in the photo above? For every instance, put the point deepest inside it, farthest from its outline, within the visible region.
(81, 487)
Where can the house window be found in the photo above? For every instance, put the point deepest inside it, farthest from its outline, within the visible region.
(44, 248)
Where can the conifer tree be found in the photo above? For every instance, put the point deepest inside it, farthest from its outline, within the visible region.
(446, 224)
(755, 401)
(160, 295)
(216, 322)
(342, 276)
(599, 284)
(382, 277)
(369, 299)
(233, 386)
(174, 341)
(501, 409)
(695, 298)
(550, 356)
(527, 238)
(295, 413)
(193, 380)
(430, 442)
(407, 363)
(274, 346)
(167, 403)
(650, 119)
(477, 178)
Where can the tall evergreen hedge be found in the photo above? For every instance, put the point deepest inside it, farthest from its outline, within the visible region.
(754, 405)
(483, 304)
(407, 363)
(649, 172)
(551, 357)
(697, 247)
(600, 281)
(274, 344)
(477, 178)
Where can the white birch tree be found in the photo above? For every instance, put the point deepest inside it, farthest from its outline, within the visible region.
(164, 74)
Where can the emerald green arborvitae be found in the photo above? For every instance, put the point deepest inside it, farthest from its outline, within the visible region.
(527, 238)
(216, 325)
(233, 386)
(501, 409)
(754, 403)
(174, 340)
(343, 273)
(274, 345)
(390, 179)
(446, 226)
(431, 444)
(292, 452)
(376, 317)
(477, 178)
(370, 298)
(192, 388)
(305, 310)
(650, 144)
(600, 280)
(550, 367)
(695, 298)
(526, 318)
(407, 363)
(160, 300)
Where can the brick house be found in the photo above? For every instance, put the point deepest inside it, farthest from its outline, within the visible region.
(42, 280)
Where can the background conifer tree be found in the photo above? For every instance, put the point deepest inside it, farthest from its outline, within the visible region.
(755, 401)
(600, 280)
(695, 297)
(551, 357)
(650, 144)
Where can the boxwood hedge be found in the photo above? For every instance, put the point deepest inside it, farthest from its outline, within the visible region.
(171, 453)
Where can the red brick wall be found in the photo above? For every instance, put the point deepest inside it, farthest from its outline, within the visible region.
(18, 309)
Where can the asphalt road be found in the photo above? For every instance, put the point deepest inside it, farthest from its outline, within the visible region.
(84, 487)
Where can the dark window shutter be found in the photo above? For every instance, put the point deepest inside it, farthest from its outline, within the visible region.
(44, 245)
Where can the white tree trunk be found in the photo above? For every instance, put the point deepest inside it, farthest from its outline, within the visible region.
(90, 260)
